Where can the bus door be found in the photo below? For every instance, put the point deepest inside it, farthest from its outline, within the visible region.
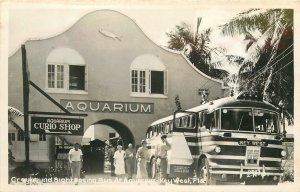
(184, 143)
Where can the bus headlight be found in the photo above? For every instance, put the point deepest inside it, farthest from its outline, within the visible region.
(283, 153)
(218, 149)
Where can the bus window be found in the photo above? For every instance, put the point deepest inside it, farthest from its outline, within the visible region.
(185, 121)
(159, 129)
(213, 120)
(217, 119)
(265, 121)
(177, 122)
(171, 127)
(200, 120)
(192, 120)
(236, 119)
(207, 120)
(167, 127)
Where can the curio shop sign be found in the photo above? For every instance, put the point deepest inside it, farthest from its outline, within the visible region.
(107, 106)
(57, 125)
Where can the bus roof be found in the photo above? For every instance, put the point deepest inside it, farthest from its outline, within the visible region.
(224, 102)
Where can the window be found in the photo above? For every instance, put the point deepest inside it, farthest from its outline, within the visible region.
(42, 137)
(51, 76)
(167, 127)
(237, 119)
(58, 78)
(265, 121)
(138, 81)
(76, 80)
(20, 136)
(157, 82)
(66, 71)
(171, 126)
(11, 137)
(148, 77)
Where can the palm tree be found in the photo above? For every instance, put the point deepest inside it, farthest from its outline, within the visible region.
(231, 64)
(268, 66)
(196, 46)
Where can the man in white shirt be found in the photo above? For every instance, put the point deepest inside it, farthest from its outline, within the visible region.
(75, 159)
(161, 153)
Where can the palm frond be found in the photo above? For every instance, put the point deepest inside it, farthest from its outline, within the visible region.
(257, 48)
(247, 21)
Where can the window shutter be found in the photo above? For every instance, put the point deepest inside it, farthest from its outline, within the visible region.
(166, 82)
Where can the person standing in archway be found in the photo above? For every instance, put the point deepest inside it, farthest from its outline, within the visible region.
(111, 153)
(119, 161)
(129, 160)
(142, 156)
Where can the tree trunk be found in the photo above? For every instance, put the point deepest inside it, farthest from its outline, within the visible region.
(266, 87)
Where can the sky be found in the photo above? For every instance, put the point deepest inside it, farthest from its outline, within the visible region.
(40, 23)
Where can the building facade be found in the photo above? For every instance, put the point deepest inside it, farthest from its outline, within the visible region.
(105, 66)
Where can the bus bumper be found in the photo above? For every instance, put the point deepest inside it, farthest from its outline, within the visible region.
(245, 173)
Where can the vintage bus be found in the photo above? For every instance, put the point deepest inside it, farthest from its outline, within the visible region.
(233, 139)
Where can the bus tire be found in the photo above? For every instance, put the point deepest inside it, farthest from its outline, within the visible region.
(203, 173)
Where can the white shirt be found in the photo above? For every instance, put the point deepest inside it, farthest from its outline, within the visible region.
(75, 155)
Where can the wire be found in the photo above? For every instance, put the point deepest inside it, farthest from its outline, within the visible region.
(274, 72)
(277, 56)
(265, 68)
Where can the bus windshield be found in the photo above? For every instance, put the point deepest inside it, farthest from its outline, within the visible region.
(242, 120)
(265, 121)
(237, 119)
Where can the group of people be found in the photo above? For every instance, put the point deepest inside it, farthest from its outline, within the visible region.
(121, 159)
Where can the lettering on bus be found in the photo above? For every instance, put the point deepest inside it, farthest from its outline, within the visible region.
(253, 143)
(107, 106)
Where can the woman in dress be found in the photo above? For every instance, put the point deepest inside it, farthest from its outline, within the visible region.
(142, 156)
(119, 161)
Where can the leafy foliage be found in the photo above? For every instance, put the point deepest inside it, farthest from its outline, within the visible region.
(197, 48)
(268, 67)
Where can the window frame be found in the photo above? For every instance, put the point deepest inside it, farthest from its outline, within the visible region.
(66, 79)
(20, 136)
(147, 81)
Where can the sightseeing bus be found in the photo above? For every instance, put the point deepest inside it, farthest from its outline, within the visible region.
(231, 140)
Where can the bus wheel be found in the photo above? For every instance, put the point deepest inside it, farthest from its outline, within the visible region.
(203, 173)
(153, 168)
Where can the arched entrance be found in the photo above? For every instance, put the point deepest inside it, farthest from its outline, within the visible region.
(96, 154)
(119, 127)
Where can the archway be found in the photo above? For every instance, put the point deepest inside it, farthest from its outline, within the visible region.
(119, 127)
